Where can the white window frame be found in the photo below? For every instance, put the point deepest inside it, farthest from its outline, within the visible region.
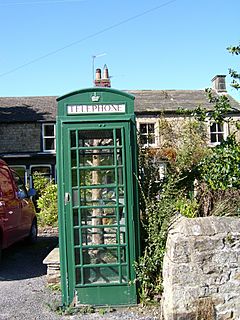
(49, 137)
(224, 132)
(146, 122)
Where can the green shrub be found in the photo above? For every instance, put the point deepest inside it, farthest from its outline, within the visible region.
(225, 173)
(157, 215)
(47, 200)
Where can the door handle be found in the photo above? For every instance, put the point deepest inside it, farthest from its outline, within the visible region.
(66, 198)
(10, 212)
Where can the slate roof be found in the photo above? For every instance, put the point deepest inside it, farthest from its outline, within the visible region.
(172, 100)
(28, 109)
(32, 109)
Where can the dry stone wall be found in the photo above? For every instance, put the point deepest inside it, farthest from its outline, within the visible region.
(201, 269)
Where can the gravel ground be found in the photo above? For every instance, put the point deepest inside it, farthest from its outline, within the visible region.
(24, 293)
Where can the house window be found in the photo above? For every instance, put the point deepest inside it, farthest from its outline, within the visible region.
(217, 133)
(44, 170)
(147, 134)
(49, 138)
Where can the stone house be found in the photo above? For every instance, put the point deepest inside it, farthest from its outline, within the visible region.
(27, 124)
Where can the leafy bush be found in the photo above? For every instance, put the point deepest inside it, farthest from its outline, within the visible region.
(47, 200)
(156, 219)
(225, 173)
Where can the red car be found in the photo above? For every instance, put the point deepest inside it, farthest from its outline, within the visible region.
(17, 212)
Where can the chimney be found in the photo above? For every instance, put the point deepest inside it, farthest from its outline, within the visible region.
(102, 81)
(219, 84)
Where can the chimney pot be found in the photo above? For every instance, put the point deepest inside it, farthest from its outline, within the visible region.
(98, 74)
(97, 81)
(105, 72)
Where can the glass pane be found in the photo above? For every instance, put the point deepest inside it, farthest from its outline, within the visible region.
(109, 215)
(74, 177)
(101, 255)
(151, 138)
(96, 158)
(151, 128)
(96, 235)
(49, 144)
(76, 237)
(78, 275)
(122, 235)
(95, 177)
(220, 137)
(119, 157)
(213, 127)
(75, 197)
(124, 274)
(106, 274)
(94, 197)
(45, 171)
(123, 255)
(213, 137)
(143, 128)
(49, 130)
(118, 138)
(220, 127)
(86, 237)
(143, 140)
(73, 158)
(95, 138)
(77, 256)
(75, 217)
(73, 139)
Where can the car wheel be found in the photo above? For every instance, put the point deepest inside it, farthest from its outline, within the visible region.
(32, 238)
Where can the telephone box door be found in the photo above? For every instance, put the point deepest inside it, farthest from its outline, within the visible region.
(98, 193)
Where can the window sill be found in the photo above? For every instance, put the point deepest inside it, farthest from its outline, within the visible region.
(48, 152)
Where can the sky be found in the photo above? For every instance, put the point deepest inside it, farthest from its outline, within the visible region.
(51, 47)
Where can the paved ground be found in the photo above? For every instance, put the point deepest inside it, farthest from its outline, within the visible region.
(25, 295)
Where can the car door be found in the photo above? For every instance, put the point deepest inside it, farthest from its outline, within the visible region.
(26, 205)
(10, 208)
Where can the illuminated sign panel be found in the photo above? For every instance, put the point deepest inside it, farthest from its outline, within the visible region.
(96, 108)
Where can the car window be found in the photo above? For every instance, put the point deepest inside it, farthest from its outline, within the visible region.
(21, 190)
(6, 186)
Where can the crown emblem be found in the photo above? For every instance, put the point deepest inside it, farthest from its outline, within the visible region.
(95, 98)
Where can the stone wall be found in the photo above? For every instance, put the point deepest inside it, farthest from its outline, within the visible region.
(201, 269)
(20, 137)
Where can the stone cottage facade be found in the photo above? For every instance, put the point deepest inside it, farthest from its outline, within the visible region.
(28, 134)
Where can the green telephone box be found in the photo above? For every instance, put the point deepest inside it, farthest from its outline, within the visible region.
(97, 197)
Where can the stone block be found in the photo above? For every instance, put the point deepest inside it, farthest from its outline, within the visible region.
(208, 244)
(53, 266)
